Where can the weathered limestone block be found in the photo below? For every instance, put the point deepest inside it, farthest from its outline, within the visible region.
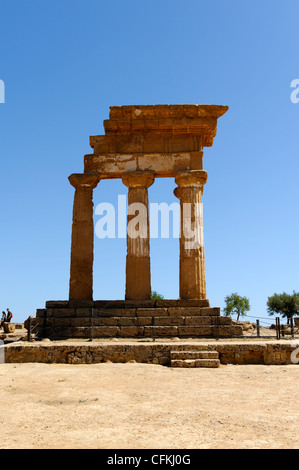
(194, 311)
(195, 331)
(119, 312)
(9, 327)
(207, 320)
(57, 321)
(241, 354)
(247, 326)
(81, 303)
(165, 165)
(105, 331)
(61, 312)
(229, 330)
(275, 354)
(80, 321)
(130, 331)
(217, 320)
(193, 303)
(214, 311)
(33, 321)
(111, 321)
(144, 321)
(169, 321)
(160, 331)
(83, 312)
(151, 312)
(107, 304)
(40, 312)
(57, 304)
(115, 321)
(73, 332)
(123, 321)
(166, 303)
(139, 303)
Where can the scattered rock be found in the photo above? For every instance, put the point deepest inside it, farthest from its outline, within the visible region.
(33, 322)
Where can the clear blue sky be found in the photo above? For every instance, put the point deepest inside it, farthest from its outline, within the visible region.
(65, 62)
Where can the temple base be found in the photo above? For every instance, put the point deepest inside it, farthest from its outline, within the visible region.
(133, 319)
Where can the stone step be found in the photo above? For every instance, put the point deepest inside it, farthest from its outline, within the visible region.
(191, 347)
(140, 331)
(136, 321)
(127, 303)
(194, 354)
(131, 312)
(192, 363)
(194, 311)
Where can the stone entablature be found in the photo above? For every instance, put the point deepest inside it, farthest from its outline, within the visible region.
(159, 129)
(161, 138)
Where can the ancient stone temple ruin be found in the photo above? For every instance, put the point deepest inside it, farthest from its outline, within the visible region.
(142, 143)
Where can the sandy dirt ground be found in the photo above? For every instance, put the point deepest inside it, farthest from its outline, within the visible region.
(143, 406)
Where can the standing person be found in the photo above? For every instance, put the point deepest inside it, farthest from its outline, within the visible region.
(9, 315)
(3, 318)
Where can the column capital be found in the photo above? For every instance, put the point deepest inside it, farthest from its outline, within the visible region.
(138, 179)
(84, 180)
(191, 178)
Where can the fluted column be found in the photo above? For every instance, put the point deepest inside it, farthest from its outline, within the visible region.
(192, 258)
(81, 272)
(138, 274)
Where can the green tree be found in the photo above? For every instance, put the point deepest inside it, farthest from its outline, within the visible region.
(236, 305)
(284, 304)
(156, 296)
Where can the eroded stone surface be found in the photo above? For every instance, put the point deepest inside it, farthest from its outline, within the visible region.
(135, 322)
(266, 352)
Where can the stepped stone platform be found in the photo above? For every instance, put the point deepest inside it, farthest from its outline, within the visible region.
(133, 319)
(161, 351)
(187, 358)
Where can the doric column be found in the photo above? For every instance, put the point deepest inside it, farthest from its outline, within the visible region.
(138, 273)
(192, 258)
(81, 275)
